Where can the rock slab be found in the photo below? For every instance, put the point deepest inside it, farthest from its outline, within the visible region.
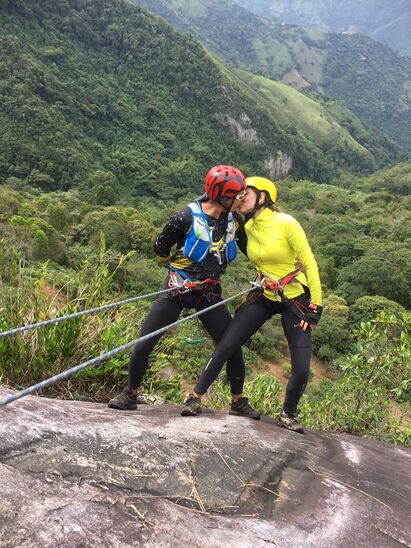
(79, 474)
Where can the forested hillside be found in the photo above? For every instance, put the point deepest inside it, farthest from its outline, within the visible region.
(373, 80)
(106, 95)
(387, 22)
(365, 224)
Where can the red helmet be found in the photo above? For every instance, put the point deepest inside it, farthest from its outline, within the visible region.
(224, 182)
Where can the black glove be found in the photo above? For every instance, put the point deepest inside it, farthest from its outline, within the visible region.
(313, 314)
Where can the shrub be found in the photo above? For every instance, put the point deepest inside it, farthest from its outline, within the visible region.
(372, 380)
(27, 297)
(263, 391)
(367, 308)
(332, 336)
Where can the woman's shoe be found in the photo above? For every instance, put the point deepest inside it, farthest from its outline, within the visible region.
(191, 407)
(289, 421)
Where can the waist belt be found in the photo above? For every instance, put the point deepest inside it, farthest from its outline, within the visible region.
(277, 286)
(199, 283)
(183, 283)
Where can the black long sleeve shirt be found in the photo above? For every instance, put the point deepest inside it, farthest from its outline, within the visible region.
(174, 234)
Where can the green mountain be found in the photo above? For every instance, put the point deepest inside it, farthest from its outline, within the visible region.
(387, 22)
(373, 80)
(105, 95)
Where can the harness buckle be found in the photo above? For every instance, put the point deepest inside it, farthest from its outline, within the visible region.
(177, 284)
(188, 285)
(276, 286)
(192, 285)
(270, 283)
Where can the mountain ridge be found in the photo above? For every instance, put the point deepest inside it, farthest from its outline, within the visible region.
(386, 22)
(375, 82)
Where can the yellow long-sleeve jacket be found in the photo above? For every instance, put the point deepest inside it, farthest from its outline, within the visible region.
(274, 242)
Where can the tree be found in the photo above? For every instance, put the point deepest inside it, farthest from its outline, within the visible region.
(367, 308)
(332, 336)
(103, 188)
(384, 269)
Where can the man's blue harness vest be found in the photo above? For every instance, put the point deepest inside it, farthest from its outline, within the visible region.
(199, 241)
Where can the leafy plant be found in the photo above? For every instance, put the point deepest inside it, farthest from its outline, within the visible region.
(373, 379)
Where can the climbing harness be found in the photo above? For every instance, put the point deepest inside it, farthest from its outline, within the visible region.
(182, 283)
(264, 281)
(111, 353)
(277, 286)
(208, 289)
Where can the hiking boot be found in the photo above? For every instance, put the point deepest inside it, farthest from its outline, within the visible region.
(191, 407)
(242, 408)
(125, 401)
(289, 421)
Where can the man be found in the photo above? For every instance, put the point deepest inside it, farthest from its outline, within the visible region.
(203, 233)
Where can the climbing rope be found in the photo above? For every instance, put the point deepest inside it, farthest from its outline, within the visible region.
(82, 313)
(107, 355)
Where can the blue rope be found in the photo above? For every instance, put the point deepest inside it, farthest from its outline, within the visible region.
(82, 313)
(107, 355)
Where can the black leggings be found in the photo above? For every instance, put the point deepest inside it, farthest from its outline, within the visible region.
(249, 317)
(166, 310)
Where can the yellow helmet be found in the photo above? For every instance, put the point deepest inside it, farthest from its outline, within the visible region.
(261, 183)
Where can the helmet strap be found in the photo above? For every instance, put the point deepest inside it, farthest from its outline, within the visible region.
(257, 205)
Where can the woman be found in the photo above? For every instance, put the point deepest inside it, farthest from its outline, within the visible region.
(204, 235)
(274, 242)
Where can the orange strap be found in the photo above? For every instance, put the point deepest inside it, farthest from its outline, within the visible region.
(277, 285)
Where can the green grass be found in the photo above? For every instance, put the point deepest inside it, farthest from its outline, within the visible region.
(309, 116)
(273, 56)
(309, 60)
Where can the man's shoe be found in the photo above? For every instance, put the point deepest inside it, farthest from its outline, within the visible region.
(242, 408)
(290, 422)
(191, 407)
(125, 401)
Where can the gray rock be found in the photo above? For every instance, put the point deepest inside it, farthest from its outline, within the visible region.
(79, 474)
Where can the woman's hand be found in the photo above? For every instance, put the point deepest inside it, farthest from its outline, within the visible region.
(305, 325)
(311, 317)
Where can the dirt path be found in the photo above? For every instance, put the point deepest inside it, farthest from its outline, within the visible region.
(319, 370)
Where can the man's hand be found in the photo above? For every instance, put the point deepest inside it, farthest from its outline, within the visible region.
(164, 260)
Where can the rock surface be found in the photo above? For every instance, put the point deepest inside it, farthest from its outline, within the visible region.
(80, 474)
